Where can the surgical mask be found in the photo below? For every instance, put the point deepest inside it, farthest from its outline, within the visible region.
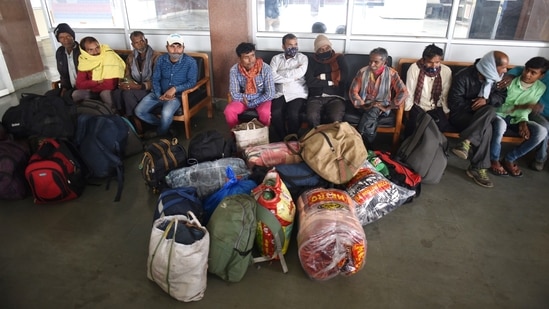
(291, 51)
(175, 57)
(324, 55)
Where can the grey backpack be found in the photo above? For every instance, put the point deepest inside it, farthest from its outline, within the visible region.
(426, 150)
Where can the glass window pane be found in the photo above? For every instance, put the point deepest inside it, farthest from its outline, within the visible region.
(161, 14)
(85, 13)
(425, 18)
(502, 20)
(300, 15)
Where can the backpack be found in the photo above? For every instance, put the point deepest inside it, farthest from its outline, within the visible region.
(102, 142)
(232, 230)
(13, 161)
(299, 177)
(400, 174)
(208, 146)
(426, 150)
(93, 107)
(45, 116)
(159, 158)
(56, 172)
(179, 201)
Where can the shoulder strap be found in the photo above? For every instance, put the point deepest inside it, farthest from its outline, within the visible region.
(272, 222)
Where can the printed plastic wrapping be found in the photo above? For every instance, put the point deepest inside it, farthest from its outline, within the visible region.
(207, 177)
(375, 196)
(274, 196)
(330, 239)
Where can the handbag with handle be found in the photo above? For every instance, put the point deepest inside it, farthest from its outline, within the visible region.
(251, 133)
(178, 256)
(335, 151)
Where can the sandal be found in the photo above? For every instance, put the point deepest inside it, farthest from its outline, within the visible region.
(497, 169)
(512, 168)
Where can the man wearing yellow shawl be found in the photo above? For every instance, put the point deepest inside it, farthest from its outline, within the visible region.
(99, 69)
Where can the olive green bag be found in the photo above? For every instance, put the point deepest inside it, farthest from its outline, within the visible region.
(232, 229)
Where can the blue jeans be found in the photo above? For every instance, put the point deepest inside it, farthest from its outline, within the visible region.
(545, 123)
(538, 134)
(144, 111)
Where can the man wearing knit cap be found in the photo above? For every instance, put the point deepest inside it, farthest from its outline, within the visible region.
(325, 78)
(473, 99)
(67, 57)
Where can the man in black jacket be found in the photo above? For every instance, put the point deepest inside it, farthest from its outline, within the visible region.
(325, 78)
(473, 99)
(67, 57)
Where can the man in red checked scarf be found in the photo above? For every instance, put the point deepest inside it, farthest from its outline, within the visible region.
(251, 86)
(428, 82)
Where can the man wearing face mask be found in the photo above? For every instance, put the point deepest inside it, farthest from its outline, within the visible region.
(376, 89)
(428, 82)
(137, 82)
(325, 78)
(473, 99)
(291, 91)
(173, 73)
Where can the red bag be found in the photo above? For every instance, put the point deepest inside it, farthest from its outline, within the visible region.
(55, 173)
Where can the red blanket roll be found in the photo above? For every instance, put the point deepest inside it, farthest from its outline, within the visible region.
(330, 239)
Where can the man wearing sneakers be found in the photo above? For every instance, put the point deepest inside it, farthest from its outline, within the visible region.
(473, 99)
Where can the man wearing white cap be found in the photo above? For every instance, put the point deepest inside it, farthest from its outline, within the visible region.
(174, 73)
(325, 78)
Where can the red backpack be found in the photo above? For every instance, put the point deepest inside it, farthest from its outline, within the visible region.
(56, 172)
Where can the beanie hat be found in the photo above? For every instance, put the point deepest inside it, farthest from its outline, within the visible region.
(63, 28)
(321, 40)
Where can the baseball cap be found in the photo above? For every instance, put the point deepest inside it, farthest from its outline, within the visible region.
(175, 38)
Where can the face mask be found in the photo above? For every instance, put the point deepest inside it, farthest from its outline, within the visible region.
(430, 70)
(291, 52)
(380, 70)
(175, 57)
(324, 55)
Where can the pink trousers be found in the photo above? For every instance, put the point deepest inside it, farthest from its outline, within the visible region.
(236, 108)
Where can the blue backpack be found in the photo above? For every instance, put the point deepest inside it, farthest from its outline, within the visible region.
(102, 141)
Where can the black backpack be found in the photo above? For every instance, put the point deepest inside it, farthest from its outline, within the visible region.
(13, 161)
(38, 115)
(102, 142)
(158, 159)
(209, 146)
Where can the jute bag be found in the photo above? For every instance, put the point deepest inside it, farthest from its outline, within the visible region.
(251, 133)
(178, 256)
(335, 151)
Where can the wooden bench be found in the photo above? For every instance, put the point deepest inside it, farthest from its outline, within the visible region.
(192, 100)
(405, 63)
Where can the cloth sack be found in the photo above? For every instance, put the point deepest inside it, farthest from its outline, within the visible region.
(178, 256)
(272, 154)
(251, 133)
(335, 151)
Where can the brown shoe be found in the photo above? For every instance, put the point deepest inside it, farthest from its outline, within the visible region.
(497, 169)
(511, 168)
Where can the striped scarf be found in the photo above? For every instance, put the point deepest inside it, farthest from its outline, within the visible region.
(378, 89)
(436, 91)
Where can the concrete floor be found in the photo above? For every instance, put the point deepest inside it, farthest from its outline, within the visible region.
(456, 246)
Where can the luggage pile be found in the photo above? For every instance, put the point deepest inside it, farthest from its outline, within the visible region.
(250, 201)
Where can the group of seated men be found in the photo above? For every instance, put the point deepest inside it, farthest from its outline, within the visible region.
(147, 82)
(481, 101)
